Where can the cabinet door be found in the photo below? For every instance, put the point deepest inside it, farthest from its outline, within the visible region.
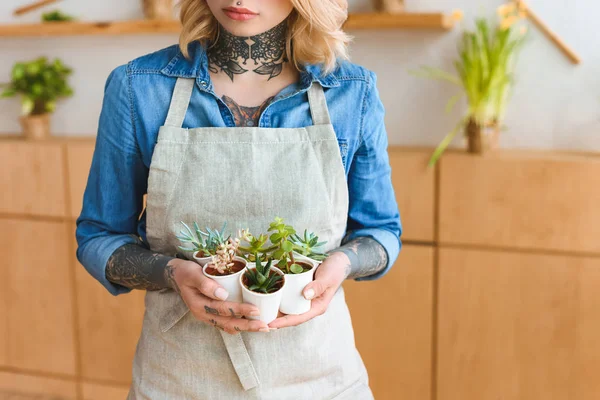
(20, 387)
(392, 320)
(32, 178)
(518, 326)
(414, 185)
(39, 288)
(109, 327)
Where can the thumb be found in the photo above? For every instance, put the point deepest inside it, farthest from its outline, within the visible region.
(315, 289)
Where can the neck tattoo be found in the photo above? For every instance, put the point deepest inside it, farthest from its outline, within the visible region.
(230, 54)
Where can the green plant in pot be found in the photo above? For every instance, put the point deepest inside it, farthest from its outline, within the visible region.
(204, 244)
(40, 83)
(282, 249)
(484, 72)
(307, 245)
(254, 246)
(262, 285)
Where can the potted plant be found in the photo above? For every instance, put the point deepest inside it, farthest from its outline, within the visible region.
(299, 270)
(40, 84)
(485, 74)
(256, 246)
(262, 286)
(204, 244)
(225, 268)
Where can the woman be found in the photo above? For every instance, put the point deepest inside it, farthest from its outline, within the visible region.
(256, 114)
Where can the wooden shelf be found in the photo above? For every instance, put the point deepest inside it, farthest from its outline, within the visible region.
(355, 21)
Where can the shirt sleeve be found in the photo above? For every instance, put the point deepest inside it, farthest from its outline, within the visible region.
(113, 198)
(373, 210)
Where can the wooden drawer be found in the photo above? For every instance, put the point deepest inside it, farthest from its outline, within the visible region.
(38, 284)
(32, 178)
(392, 322)
(518, 326)
(523, 200)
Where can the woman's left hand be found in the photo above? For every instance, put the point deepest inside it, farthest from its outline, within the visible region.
(328, 277)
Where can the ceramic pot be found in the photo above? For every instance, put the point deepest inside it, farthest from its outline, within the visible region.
(482, 139)
(293, 301)
(158, 9)
(201, 260)
(36, 127)
(229, 282)
(267, 303)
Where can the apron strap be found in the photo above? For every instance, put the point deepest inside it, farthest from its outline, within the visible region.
(179, 102)
(238, 354)
(318, 104)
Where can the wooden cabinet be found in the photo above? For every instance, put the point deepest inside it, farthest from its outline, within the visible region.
(523, 200)
(518, 326)
(93, 391)
(414, 185)
(19, 386)
(32, 178)
(38, 285)
(392, 320)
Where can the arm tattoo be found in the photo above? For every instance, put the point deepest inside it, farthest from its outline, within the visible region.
(136, 267)
(367, 257)
(246, 116)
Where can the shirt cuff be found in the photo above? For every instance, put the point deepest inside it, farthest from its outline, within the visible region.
(94, 256)
(390, 242)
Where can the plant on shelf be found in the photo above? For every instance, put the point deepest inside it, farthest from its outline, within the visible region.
(40, 84)
(255, 245)
(307, 244)
(485, 74)
(56, 16)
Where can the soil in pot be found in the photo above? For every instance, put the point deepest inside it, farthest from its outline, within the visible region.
(237, 267)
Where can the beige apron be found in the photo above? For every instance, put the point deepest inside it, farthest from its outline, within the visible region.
(245, 176)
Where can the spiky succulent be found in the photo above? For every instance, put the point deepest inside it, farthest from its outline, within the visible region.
(208, 242)
(306, 245)
(260, 279)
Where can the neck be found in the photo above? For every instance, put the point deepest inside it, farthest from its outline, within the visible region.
(262, 54)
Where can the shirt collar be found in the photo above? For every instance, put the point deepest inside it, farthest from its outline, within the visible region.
(197, 67)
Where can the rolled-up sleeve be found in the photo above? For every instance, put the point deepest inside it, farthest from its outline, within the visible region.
(373, 210)
(117, 180)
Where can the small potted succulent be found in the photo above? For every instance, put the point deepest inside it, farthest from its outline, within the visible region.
(225, 268)
(204, 244)
(255, 246)
(40, 84)
(262, 286)
(288, 250)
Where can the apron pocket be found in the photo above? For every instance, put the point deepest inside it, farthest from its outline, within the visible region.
(173, 308)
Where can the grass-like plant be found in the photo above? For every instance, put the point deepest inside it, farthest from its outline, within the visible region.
(260, 279)
(56, 16)
(484, 71)
(40, 83)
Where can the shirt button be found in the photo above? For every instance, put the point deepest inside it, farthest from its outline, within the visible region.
(203, 83)
(250, 123)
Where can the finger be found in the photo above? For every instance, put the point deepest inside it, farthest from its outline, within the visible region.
(209, 287)
(318, 307)
(235, 325)
(231, 309)
(315, 289)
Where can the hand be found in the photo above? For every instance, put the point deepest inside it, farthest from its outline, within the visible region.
(328, 278)
(206, 299)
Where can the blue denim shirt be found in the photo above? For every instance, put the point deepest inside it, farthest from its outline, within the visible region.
(135, 105)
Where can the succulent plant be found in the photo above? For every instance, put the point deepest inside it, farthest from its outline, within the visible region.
(306, 245)
(207, 242)
(283, 248)
(222, 261)
(255, 246)
(260, 279)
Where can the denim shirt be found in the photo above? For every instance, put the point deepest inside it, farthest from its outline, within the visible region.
(135, 105)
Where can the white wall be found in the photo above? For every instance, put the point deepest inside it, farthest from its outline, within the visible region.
(555, 104)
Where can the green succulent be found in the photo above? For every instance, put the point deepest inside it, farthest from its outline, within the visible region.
(283, 248)
(260, 279)
(39, 83)
(54, 16)
(255, 246)
(305, 245)
(207, 242)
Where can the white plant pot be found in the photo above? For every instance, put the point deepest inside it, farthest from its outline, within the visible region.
(268, 304)
(293, 301)
(202, 260)
(229, 282)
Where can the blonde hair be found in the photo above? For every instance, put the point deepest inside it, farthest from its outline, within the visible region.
(314, 34)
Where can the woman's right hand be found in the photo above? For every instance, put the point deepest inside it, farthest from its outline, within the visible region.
(206, 299)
